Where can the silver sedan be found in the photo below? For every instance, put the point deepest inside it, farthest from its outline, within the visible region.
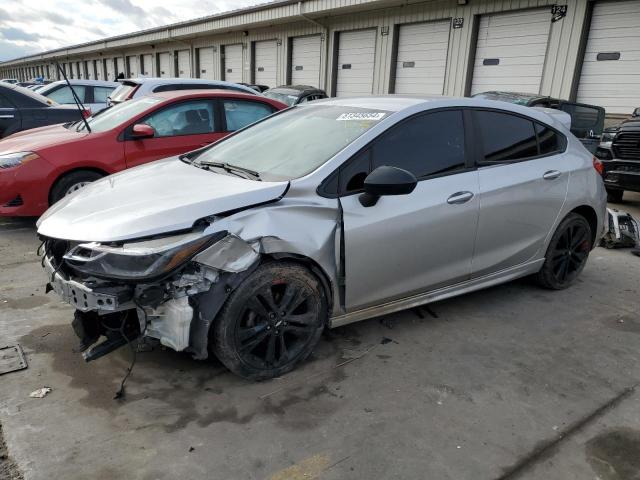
(321, 215)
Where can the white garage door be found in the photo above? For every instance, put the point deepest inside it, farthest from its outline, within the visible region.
(99, 69)
(166, 66)
(111, 75)
(120, 66)
(511, 51)
(205, 63)
(265, 63)
(422, 58)
(610, 74)
(305, 60)
(356, 56)
(232, 63)
(89, 68)
(184, 64)
(132, 64)
(147, 65)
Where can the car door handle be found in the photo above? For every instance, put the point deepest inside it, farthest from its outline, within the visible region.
(7, 116)
(459, 197)
(551, 174)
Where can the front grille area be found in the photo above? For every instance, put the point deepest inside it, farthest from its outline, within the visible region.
(626, 146)
(16, 202)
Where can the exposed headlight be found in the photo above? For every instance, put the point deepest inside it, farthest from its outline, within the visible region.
(9, 160)
(607, 137)
(138, 260)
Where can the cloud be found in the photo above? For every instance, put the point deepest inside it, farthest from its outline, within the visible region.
(9, 50)
(11, 33)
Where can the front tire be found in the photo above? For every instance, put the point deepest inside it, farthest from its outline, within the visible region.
(271, 322)
(567, 253)
(71, 182)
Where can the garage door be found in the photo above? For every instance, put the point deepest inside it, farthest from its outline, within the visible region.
(147, 65)
(265, 63)
(511, 51)
(166, 67)
(89, 68)
(120, 66)
(111, 75)
(99, 70)
(356, 56)
(305, 60)
(184, 64)
(205, 63)
(422, 58)
(132, 66)
(232, 63)
(610, 74)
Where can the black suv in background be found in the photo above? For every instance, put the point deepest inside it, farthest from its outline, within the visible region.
(587, 121)
(622, 172)
(22, 109)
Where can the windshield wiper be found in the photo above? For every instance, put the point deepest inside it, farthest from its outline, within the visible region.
(227, 167)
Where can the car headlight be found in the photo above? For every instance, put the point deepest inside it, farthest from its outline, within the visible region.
(607, 137)
(138, 260)
(9, 160)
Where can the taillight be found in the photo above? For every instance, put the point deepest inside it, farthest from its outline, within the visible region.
(598, 165)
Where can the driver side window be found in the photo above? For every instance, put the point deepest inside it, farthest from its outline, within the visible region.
(425, 145)
(187, 118)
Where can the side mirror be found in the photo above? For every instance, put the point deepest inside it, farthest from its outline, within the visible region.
(387, 180)
(142, 130)
(636, 112)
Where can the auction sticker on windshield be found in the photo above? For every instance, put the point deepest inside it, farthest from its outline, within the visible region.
(361, 116)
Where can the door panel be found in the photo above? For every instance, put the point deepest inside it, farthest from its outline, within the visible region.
(305, 60)
(184, 64)
(205, 63)
(166, 69)
(232, 63)
(356, 58)
(265, 63)
(409, 243)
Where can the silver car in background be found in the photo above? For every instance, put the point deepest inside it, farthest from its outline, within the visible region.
(321, 215)
(92, 93)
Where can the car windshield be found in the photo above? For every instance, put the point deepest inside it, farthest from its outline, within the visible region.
(121, 93)
(295, 142)
(287, 96)
(118, 114)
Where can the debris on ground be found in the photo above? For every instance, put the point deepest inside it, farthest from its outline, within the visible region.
(12, 359)
(386, 340)
(622, 230)
(41, 392)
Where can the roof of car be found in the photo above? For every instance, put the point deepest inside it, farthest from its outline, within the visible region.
(172, 94)
(78, 81)
(169, 80)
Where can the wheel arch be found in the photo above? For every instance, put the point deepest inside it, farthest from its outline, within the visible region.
(589, 214)
(60, 176)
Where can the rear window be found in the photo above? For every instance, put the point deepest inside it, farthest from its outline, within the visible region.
(123, 92)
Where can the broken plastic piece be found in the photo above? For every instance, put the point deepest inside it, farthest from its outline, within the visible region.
(12, 359)
(41, 392)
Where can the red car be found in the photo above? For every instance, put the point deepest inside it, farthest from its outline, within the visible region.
(38, 167)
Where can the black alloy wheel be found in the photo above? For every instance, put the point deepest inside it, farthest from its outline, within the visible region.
(271, 322)
(567, 253)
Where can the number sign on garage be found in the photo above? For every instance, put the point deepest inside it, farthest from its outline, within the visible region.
(355, 61)
(511, 51)
(205, 63)
(422, 58)
(305, 60)
(610, 75)
(232, 63)
(166, 67)
(265, 63)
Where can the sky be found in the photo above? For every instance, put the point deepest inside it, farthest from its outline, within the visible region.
(29, 26)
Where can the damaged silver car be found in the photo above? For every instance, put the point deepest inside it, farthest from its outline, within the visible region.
(321, 215)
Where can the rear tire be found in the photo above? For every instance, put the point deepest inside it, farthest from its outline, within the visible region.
(567, 253)
(72, 182)
(271, 322)
(614, 195)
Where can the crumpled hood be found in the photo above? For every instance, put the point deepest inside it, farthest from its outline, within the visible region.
(156, 198)
(37, 139)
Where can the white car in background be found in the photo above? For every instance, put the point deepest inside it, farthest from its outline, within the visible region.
(131, 88)
(92, 93)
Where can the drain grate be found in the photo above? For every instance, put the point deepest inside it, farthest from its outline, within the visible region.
(12, 359)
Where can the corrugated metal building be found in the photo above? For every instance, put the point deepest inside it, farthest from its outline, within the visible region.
(581, 50)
